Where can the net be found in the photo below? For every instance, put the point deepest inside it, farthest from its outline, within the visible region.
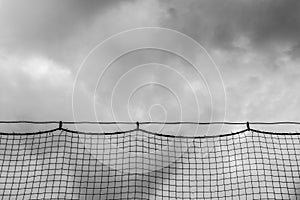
(137, 164)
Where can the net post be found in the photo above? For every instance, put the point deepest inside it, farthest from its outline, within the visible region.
(60, 125)
(248, 126)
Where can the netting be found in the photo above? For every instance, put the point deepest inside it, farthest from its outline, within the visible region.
(63, 164)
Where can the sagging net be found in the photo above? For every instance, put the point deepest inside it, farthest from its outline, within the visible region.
(137, 164)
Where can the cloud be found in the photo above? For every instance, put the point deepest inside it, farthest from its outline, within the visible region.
(294, 52)
(220, 23)
(36, 24)
(66, 31)
(41, 43)
(254, 43)
(34, 88)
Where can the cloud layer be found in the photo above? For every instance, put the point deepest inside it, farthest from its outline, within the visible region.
(255, 45)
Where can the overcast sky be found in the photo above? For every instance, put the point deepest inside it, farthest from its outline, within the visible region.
(247, 68)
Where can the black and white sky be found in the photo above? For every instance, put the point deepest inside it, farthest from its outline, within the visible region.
(247, 68)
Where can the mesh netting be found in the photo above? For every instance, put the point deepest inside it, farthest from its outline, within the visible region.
(137, 164)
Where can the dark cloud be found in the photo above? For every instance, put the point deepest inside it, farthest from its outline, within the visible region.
(294, 52)
(219, 23)
(53, 27)
(46, 22)
(46, 27)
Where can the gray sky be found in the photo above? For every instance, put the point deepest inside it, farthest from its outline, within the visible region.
(255, 46)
